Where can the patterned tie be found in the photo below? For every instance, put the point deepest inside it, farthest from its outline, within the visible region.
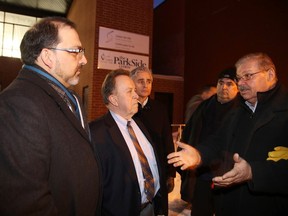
(149, 181)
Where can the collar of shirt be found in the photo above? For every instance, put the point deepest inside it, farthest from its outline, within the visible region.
(252, 107)
(144, 103)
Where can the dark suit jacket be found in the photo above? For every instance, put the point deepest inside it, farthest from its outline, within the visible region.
(47, 164)
(121, 193)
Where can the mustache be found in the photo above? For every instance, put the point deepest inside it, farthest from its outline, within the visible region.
(243, 88)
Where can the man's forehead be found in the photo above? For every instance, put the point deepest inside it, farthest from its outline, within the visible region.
(124, 80)
(144, 78)
(143, 75)
(247, 66)
(226, 80)
(69, 35)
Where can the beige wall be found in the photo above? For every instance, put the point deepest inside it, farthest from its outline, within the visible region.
(83, 13)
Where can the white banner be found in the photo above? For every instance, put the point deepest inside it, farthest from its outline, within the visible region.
(111, 60)
(121, 40)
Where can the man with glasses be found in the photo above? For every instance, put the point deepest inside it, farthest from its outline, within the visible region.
(252, 183)
(47, 163)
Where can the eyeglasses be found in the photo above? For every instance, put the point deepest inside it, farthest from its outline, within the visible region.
(79, 50)
(248, 76)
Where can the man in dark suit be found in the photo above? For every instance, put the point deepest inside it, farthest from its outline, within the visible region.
(124, 180)
(154, 116)
(47, 163)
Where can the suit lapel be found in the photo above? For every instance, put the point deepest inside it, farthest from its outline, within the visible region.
(120, 143)
(37, 80)
(264, 119)
(84, 116)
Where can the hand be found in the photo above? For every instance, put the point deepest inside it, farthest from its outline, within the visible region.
(170, 184)
(241, 172)
(188, 157)
(280, 152)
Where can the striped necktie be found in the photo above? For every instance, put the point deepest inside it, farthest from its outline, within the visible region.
(149, 181)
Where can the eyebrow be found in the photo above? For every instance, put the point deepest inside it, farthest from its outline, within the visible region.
(227, 82)
(246, 72)
(129, 88)
(143, 79)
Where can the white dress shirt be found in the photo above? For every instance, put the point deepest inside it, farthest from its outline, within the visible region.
(147, 149)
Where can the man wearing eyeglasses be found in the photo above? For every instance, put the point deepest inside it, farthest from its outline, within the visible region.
(251, 183)
(47, 163)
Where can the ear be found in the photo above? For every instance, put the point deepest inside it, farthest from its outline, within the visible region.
(47, 58)
(271, 74)
(113, 100)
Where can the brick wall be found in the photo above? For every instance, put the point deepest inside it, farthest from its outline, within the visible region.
(134, 16)
(86, 25)
(126, 15)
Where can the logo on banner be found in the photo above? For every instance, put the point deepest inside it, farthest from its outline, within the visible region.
(113, 60)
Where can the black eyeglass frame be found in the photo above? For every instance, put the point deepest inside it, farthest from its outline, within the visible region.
(70, 50)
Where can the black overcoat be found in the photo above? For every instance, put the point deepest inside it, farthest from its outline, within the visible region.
(47, 163)
(253, 135)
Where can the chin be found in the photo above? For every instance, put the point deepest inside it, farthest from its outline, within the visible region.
(74, 81)
(135, 110)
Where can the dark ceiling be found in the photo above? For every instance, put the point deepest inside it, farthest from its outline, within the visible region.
(37, 8)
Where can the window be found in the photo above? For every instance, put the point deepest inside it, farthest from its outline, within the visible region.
(12, 30)
(157, 2)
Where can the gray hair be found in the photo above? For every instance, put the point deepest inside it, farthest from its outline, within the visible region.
(263, 60)
(135, 71)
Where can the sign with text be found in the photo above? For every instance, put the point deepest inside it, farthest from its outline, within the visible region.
(121, 40)
(111, 60)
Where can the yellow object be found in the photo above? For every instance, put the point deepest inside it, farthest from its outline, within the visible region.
(280, 152)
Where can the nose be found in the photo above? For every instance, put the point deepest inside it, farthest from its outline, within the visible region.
(83, 60)
(145, 83)
(224, 86)
(136, 96)
(240, 81)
